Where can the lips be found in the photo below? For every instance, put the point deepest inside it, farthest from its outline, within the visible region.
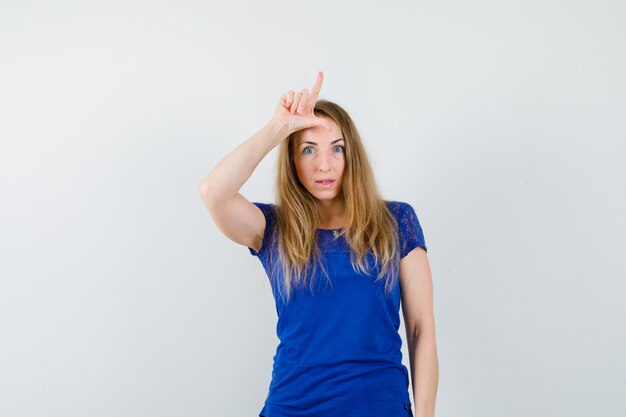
(325, 181)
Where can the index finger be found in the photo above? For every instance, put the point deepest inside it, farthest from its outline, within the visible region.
(315, 91)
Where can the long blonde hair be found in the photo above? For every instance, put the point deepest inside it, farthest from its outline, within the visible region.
(370, 225)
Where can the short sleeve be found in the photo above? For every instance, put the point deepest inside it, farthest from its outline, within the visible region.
(269, 212)
(411, 234)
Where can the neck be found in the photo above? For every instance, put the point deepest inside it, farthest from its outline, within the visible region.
(330, 214)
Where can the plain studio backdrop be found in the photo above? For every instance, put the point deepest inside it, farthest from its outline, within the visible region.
(501, 122)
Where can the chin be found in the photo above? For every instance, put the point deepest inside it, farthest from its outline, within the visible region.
(326, 196)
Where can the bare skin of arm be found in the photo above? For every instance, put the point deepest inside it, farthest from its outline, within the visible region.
(235, 216)
(417, 308)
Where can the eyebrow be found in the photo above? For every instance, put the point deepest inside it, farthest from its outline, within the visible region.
(313, 143)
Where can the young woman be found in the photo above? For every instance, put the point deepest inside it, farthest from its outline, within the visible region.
(340, 260)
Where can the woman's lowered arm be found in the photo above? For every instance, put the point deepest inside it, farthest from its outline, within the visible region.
(417, 308)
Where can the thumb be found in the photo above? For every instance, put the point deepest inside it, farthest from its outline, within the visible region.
(320, 121)
(305, 122)
(325, 123)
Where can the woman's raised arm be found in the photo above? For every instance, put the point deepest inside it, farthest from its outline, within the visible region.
(235, 216)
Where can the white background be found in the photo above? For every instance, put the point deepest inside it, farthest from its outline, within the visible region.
(501, 122)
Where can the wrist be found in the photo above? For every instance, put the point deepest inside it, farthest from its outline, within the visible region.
(278, 129)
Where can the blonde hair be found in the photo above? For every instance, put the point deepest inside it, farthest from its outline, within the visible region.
(369, 224)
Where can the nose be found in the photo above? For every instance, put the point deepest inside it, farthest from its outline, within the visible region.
(323, 162)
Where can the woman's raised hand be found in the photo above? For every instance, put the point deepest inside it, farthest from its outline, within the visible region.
(295, 109)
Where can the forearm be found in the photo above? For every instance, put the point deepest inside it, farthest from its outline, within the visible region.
(228, 176)
(424, 365)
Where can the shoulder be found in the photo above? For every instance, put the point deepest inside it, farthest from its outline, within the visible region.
(270, 212)
(399, 208)
(269, 209)
(410, 230)
(266, 208)
(404, 213)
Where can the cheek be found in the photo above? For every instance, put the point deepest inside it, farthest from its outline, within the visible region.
(301, 168)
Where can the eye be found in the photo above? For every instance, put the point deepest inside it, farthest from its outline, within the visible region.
(341, 147)
(304, 150)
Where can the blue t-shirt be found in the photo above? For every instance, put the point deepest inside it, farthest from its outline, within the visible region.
(339, 352)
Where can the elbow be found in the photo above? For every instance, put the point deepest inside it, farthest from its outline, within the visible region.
(203, 187)
(210, 195)
(420, 329)
(206, 192)
(412, 334)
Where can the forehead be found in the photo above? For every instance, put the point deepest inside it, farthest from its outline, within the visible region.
(320, 134)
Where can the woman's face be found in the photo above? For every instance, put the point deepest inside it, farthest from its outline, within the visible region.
(320, 154)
